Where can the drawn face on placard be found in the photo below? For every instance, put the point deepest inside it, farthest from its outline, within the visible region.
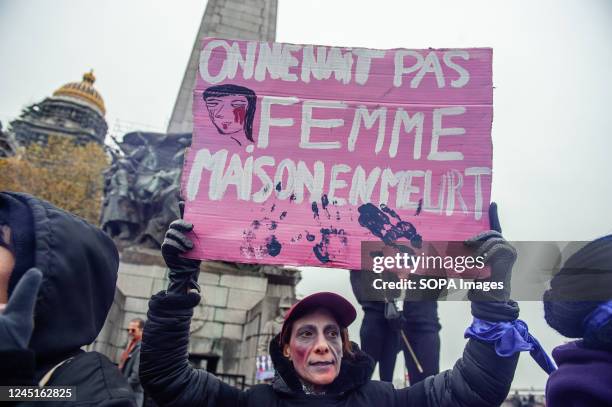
(227, 112)
(231, 109)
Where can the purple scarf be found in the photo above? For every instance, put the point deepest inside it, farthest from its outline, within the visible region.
(583, 377)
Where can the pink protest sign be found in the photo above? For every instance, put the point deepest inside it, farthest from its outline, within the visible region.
(302, 152)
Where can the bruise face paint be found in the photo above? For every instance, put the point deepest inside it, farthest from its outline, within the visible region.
(227, 113)
(315, 348)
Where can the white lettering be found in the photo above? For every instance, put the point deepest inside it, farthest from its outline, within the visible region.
(464, 75)
(266, 121)
(314, 183)
(286, 188)
(238, 176)
(362, 188)
(438, 132)
(308, 122)
(405, 189)
(477, 172)
(205, 56)
(427, 204)
(387, 180)
(335, 183)
(269, 60)
(362, 113)
(416, 122)
(431, 64)
(400, 69)
(204, 160)
(267, 185)
(364, 59)
(454, 188)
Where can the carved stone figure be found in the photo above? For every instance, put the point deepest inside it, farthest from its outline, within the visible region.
(143, 187)
(119, 212)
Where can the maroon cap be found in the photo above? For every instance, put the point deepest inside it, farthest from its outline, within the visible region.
(342, 310)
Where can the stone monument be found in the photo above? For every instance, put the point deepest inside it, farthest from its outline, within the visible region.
(141, 194)
(141, 188)
(241, 19)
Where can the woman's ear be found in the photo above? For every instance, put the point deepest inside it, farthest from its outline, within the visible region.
(286, 352)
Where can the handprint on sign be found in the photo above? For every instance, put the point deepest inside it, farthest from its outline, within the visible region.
(379, 223)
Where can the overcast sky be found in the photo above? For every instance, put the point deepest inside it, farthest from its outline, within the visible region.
(552, 126)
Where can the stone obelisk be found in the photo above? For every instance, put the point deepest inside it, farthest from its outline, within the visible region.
(240, 19)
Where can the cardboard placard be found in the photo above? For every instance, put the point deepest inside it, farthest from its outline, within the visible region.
(302, 152)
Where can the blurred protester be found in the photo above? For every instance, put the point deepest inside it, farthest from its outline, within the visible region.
(57, 279)
(385, 330)
(130, 359)
(315, 362)
(421, 329)
(379, 331)
(579, 305)
(273, 327)
(264, 366)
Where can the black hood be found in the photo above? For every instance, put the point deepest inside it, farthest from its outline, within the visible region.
(583, 283)
(355, 371)
(79, 264)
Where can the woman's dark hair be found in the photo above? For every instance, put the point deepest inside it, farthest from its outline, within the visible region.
(231, 90)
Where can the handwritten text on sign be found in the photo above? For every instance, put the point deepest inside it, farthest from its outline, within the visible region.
(301, 152)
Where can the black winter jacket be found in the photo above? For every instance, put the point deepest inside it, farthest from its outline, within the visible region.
(95, 380)
(479, 378)
(79, 264)
(130, 369)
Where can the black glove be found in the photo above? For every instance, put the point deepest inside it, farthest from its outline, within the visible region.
(498, 254)
(183, 271)
(17, 321)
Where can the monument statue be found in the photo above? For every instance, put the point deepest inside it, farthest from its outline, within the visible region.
(142, 187)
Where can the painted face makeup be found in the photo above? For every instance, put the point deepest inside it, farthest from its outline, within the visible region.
(315, 348)
(227, 113)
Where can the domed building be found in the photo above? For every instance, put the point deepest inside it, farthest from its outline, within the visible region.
(75, 110)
